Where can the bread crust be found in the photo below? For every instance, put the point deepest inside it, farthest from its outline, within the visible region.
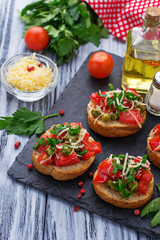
(135, 201)
(63, 173)
(112, 128)
(154, 157)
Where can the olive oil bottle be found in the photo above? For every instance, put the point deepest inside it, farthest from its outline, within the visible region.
(142, 58)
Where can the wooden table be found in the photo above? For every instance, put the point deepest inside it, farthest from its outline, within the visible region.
(26, 213)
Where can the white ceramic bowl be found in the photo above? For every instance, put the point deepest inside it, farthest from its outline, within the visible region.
(25, 95)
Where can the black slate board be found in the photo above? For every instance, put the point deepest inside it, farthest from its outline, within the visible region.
(74, 101)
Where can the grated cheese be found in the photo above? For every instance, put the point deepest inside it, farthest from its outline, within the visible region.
(19, 77)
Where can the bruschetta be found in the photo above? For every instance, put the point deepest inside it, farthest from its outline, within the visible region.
(153, 145)
(116, 113)
(65, 151)
(124, 181)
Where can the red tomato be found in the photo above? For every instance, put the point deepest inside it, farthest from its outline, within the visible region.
(100, 64)
(156, 130)
(154, 142)
(142, 185)
(101, 177)
(63, 160)
(127, 117)
(36, 38)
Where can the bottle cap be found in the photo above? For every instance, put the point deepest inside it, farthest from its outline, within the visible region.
(152, 14)
(156, 80)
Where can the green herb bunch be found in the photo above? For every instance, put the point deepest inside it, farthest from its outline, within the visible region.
(69, 23)
(152, 209)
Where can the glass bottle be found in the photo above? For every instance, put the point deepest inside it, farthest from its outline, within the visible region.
(142, 58)
(152, 99)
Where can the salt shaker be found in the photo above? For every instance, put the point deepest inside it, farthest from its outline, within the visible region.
(152, 99)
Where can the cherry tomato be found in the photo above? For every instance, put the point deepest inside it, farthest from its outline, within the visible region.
(36, 38)
(156, 130)
(127, 117)
(100, 64)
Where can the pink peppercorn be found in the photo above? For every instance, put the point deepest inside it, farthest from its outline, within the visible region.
(76, 209)
(80, 184)
(79, 195)
(61, 112)
(30, 166)
(82, 191)
(17, 144)
(136, 212)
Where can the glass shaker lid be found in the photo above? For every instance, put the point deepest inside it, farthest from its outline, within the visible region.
(156, 80)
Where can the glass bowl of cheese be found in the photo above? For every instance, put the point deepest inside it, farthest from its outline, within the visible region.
(29, 77)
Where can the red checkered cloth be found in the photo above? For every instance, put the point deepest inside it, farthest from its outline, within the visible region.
(118, 16)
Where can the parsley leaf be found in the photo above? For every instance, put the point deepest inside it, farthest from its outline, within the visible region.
(24, 122)
(74, 130)
(83, 152)
(111, 88)
(69, 24)
(40, 141)
(152, 206)
(61, 127)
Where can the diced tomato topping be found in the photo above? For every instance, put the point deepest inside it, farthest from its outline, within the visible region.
(156, 130)
(133, 91)
(139, 173)
(126, 103)
(48, 161)
(41, 157)
(101, 177)
(63, 160)
(91, 145)
(97, 100)
(87, 155)
(137, 159)
(42, 149)
(144, 180)
(154, 142)
(127, 117)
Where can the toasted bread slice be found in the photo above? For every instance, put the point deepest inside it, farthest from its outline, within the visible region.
(112, 128)
(113, 197)
(153, 155)
(62, 173)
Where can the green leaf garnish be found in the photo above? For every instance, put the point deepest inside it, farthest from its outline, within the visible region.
(58, 129)
(83, 152)
(111, 88)
(40, 141)
(24, 122)
(158, 186)
(144, 158)
(69, 24)
(74, 130)
(152, 206)
(156, 220)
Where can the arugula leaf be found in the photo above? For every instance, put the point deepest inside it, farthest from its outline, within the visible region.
(40, 141)
(69, 24)
(24, 122)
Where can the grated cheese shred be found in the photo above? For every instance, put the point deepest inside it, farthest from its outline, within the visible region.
(19, 77)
